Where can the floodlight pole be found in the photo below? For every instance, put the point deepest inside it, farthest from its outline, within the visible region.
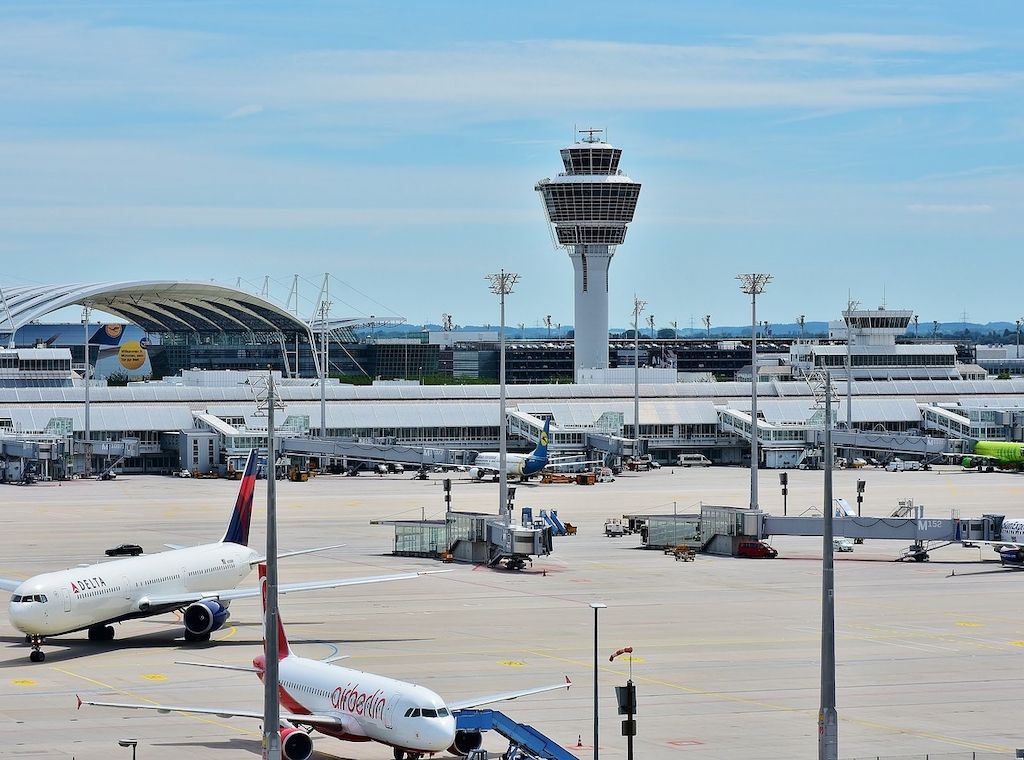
(753, 284)
(596, 606)
(325, 307)
(638, 306)
(501, 285)
(87, 307)
(828, 718)
(271, 703)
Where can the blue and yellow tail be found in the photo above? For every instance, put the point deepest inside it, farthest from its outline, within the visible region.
(541, 452)
(238, 528)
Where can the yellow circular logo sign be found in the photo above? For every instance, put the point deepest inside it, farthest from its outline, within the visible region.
(113, 331)
(543, 439)
(131, 355)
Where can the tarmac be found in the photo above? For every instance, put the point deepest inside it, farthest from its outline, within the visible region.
(726, 651)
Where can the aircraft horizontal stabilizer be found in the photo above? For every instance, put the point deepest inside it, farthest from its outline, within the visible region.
(282, 555)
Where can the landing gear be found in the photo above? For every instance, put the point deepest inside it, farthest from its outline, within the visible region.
(101, 633)
(189, 636)
(399, 754)
(37, 654)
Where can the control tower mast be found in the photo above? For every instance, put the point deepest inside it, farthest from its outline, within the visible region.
(589, 205)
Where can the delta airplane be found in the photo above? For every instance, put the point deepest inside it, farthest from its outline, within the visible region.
(201, 580)
(351, 705)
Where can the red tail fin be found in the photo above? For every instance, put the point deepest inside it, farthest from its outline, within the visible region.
(282, 641)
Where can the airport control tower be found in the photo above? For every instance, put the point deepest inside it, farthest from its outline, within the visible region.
(589, 206)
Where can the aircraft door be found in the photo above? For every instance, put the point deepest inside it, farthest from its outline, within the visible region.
(389, 710)
(65, 598)
(127, 587)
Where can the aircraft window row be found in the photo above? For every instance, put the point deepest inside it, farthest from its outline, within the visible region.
(28, 598)
(425, 712)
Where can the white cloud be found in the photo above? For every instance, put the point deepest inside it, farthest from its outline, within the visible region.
(950, 208)
(242, 111)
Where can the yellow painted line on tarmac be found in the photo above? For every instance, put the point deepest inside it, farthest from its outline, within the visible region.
(23, 682)
(512, 663)
(141, 698)
(784, 708)
(232, 630)
(154, 677)
(968, 624)
(1017, 643)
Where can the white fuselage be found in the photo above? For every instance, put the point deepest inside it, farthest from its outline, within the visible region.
(82, 597)
(1013, 531)
(371, 707)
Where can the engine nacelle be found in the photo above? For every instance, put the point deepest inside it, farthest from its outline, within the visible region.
(967, 463)
(205, 617)
(465, 742)
(475, 473)
(296, 744)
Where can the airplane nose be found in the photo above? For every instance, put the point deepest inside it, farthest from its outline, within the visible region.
(18, 616)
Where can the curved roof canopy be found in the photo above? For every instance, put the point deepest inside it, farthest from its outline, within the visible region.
(153, 305)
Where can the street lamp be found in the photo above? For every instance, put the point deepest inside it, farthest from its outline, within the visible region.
(828, 718)
(753, 285)
(128, 743)
(638, 306)
(502, 285)
(1019, 323)
(86, 308)
(596, 606)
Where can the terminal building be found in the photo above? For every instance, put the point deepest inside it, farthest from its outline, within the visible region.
(198, 419)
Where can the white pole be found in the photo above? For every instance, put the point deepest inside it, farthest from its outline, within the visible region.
(271, 705)
(88, 426)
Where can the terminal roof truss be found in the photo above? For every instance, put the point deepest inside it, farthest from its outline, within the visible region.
(153, 305)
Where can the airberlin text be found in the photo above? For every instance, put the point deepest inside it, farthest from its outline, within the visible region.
(352, 700)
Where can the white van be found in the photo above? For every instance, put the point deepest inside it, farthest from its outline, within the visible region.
(693, 460)
(842, 544)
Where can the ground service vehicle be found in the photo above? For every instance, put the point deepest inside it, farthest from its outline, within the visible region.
(693, 460)
(756, 550)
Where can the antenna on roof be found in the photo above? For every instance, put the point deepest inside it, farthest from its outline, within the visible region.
(590, 138)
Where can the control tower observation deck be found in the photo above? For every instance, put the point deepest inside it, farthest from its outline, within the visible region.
(589, 206)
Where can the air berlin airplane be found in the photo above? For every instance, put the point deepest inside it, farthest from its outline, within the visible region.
(201, 580)
(351, 705)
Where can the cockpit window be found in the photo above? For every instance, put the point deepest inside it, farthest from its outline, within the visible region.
(429, 713)
(442, 713)
(412, 712)
(18, 598)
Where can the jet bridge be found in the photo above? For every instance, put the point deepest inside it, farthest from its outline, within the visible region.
(916, 529)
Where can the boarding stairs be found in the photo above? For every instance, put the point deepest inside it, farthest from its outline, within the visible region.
(525, 742)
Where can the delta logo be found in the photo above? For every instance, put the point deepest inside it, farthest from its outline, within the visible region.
(87, 584)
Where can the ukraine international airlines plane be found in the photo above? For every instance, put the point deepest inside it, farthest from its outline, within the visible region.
(201, 580)
(351, 705)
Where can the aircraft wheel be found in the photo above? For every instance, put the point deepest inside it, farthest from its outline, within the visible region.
(36, 656)
(399, 754)
(28, 638)
(107, 633)
(96, 633)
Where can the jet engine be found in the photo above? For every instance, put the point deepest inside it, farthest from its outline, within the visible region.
(475, 473)
(296, 744)
(465, 742)
(203, 618)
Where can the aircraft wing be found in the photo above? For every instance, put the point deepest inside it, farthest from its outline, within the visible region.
(221, 712)
(284, 588)
(282, 555)
(9, 584)
(466, 704)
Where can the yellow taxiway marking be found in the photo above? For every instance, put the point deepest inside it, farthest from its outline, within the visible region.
(632, 658)
(512, 663)
(968, 624)
(784, 708)
(1017, 643)
(155, 677)
(232, 630)
(23, 682)
(141, 698)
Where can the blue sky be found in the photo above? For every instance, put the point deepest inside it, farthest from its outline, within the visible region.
(869, 147)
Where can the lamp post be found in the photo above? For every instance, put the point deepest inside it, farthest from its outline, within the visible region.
(753, 285)
(271, 704)
(502, 285)
(596, 606)
(1019, 323)
(707, 325)
(87, 307)
(638, 306)
(128, 743)
(325, 307)
(828, 718)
